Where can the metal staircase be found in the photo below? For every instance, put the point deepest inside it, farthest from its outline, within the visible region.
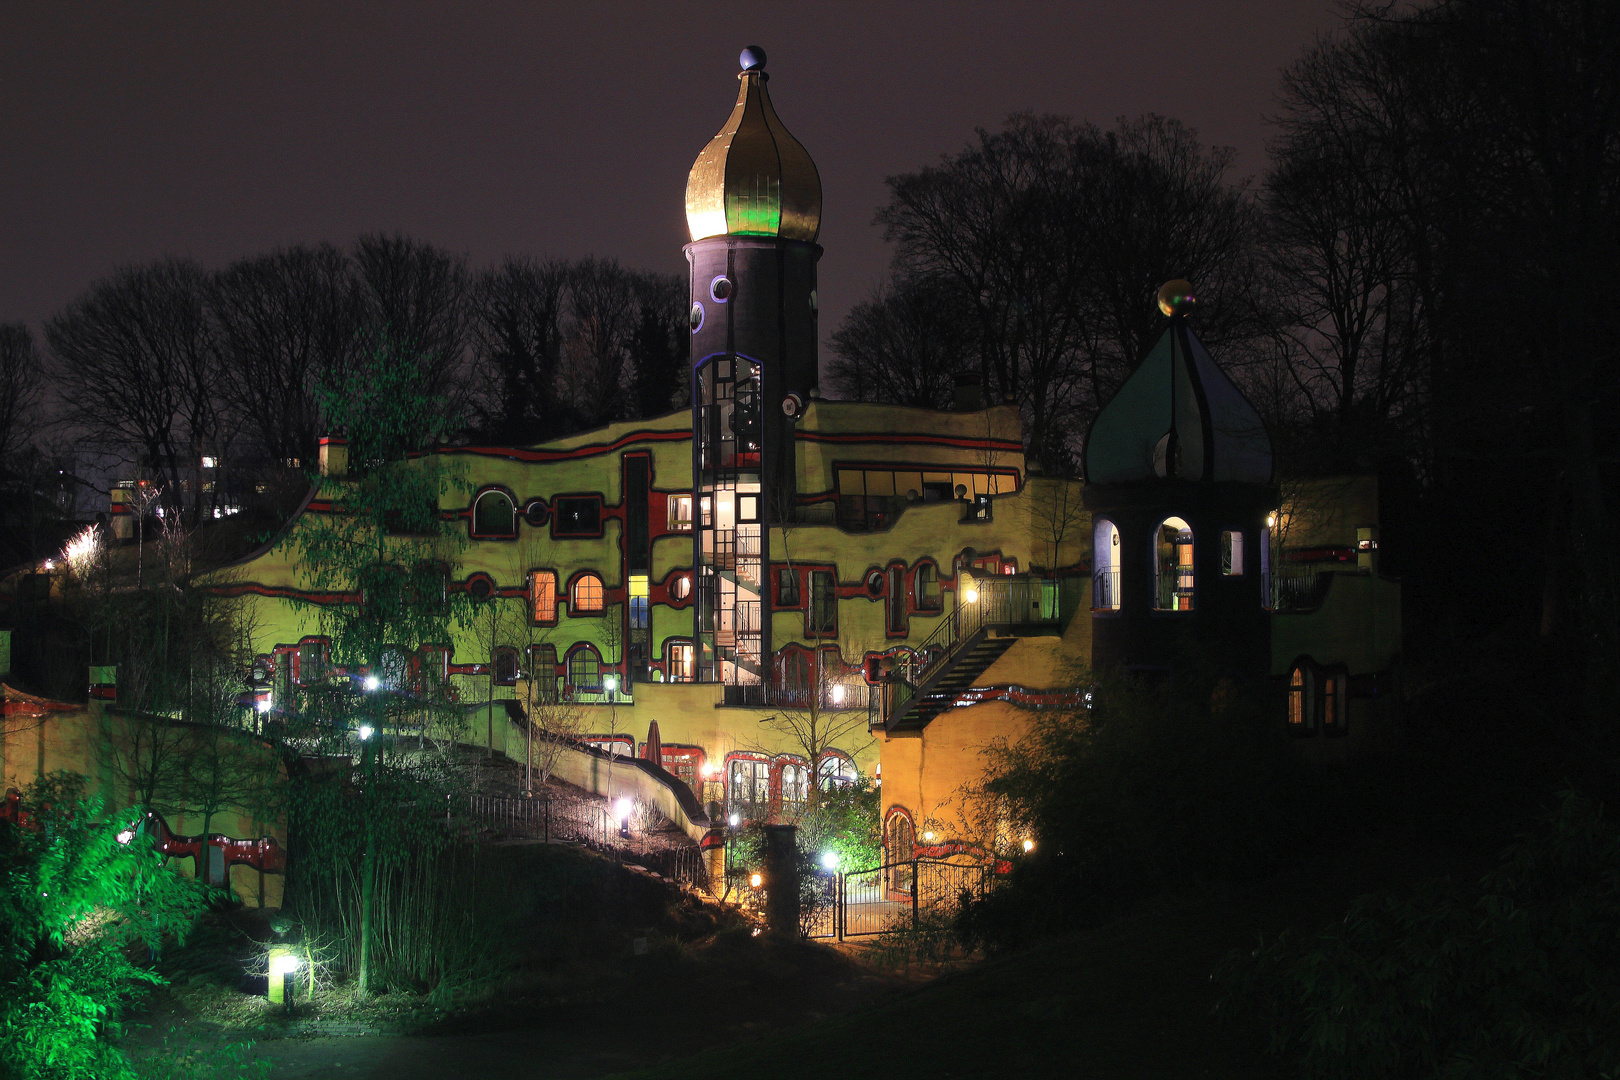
(968, 640)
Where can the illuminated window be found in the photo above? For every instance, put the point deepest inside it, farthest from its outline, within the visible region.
(1105, 566)
(1173, 560)
(587, 597)
(1299, 699)
(543, 596)
(640, 610)
(585, 669)
(494, 515)
(1232, 554)
(680, 513)
(748, 788)
(836, 771)
(682, 662)
(1335, 701)
(681, 587)
(795, 785)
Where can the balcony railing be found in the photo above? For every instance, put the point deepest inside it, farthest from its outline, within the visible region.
(1301, 588)
(1105, 589)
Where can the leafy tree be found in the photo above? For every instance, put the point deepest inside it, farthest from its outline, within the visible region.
(76, 891)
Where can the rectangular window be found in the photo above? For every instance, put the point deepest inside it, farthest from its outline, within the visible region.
(682, 663)
(637, 526)
(926, 582)
(1232, 554)
(543, 596)
(577, 516)
(543, 672)
(680, 513)
(639, 609)
(823, 603)
(1335, 695)
(897, 599)
(311, 663)
(787, 588)
(505, 664)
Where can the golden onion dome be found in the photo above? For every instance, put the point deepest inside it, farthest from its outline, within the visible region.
(754, 178)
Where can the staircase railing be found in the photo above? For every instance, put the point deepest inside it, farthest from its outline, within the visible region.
(1011, 602)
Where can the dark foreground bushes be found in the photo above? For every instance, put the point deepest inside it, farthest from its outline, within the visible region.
(1518, 976)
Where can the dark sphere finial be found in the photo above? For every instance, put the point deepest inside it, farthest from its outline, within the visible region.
(752, 58)
(1176, 297)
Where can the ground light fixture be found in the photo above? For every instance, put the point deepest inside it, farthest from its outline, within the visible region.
(624, 808)
(284, 961)
(735, 820)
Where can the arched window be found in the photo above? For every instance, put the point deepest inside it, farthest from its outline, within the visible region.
(835, 771)
(748, 787)
(796, 682)
(585, 669)
(1173, 565)
(1105, 566)
(795, 785)
(586, 597)
(494, 515)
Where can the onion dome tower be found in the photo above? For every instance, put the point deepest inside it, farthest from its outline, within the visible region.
(753, 204)
(1179, 485)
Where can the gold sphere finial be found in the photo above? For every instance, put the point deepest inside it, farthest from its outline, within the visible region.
(1176, 298)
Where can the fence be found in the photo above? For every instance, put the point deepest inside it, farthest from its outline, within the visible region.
(591, 823)
(890, 897)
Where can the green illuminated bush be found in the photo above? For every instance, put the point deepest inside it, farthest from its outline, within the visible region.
(74, 902)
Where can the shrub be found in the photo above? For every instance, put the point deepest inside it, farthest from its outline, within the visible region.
(76, 893)
(1517, 977)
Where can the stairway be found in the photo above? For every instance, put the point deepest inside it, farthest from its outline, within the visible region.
(959, 672)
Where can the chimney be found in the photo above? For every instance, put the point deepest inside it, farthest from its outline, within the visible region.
(968, 396)
(334, 455)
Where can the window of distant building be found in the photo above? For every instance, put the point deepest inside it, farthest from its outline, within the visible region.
(494, 515)
(587, 596)
(543, 596)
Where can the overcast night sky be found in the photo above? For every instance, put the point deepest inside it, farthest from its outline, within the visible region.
(137, 130)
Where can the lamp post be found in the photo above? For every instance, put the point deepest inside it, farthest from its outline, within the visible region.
(368, 857)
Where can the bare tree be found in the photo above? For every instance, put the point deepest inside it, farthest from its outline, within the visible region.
(140, 352)
(517, 334)
(904, 344)
(20, 388)
(414, 295)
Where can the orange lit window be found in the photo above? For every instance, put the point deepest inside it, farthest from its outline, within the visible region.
(543, 593)
(587, 598)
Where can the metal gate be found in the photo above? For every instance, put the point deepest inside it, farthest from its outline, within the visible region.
(890, 897)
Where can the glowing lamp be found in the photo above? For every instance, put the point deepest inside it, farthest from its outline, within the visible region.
(283, 963)
(372, 682)
(829, 860)
(929, 837)
(366, 731)
(1029, 846)
(610, 682)
(838, 695)
(735, 820)
(263, 705)
(624, 808)
(970, 594)
(755, 881)
(1271, 521)
(126, 836)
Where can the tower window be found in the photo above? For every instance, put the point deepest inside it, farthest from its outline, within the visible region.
(1232, 554)
(1173, 563)
(720, 289)
(1105, 566)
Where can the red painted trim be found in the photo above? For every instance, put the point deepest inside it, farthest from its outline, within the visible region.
(589, 450)
(284, 593)
(921, 440)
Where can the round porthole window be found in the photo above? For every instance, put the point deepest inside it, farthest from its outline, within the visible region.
(874, 583)
(481, 588)
(720, 288)
(681, 587)
(535, 513)
(814, 308)
(696, 317)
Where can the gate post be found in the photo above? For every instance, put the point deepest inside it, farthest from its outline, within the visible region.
(914, 920)
(782, 879)
(838, 905)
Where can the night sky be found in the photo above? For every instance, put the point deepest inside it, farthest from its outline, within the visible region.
(137, 130)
